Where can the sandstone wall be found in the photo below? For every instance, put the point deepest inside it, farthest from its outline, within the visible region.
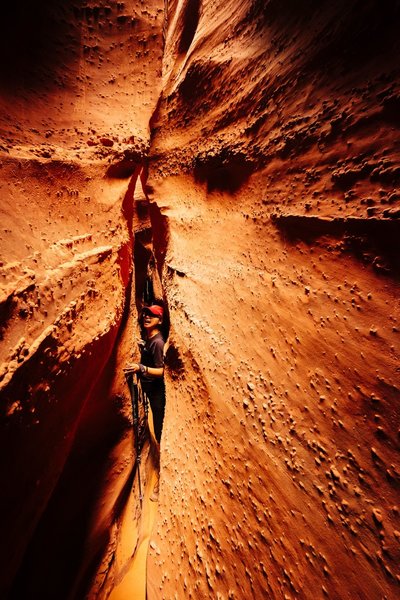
(79, 82)
(275, 162)
(272, 130)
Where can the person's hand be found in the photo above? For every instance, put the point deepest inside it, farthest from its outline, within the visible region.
(131, 368)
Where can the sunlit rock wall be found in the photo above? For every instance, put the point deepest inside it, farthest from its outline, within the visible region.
(79, 82)
(275, 163)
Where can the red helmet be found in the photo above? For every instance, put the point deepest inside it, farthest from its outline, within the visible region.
(154, 309)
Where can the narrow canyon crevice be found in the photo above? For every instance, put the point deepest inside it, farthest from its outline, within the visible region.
(238, 161)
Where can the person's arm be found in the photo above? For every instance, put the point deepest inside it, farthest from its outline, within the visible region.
(132, 368)
(155, 371)
(138, 368)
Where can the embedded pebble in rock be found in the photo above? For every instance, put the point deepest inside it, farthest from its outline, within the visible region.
(241, 160)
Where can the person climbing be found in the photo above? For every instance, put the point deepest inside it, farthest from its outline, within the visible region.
(150, 371)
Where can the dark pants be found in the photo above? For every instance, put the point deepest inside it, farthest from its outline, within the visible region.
(155, 391)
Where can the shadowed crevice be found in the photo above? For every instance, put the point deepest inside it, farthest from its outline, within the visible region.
(224, 172)
(190, 22)
(33, 43)
(374, 241)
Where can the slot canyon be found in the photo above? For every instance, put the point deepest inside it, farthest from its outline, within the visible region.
(241, 160)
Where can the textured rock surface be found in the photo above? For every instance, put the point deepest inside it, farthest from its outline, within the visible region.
(275, 162)
(274, 220)
(79, 84)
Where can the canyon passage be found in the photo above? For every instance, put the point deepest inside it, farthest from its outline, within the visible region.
(237, 162)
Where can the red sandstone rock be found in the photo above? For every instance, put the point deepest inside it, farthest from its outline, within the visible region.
(272, 131)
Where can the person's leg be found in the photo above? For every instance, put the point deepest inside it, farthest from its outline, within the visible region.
(157, 403)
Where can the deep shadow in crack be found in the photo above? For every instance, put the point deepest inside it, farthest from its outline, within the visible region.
(223, 172)
(40, 44)
(373, 241)
(190, 22)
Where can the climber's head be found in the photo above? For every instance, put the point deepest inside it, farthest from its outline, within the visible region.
(152, 316)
